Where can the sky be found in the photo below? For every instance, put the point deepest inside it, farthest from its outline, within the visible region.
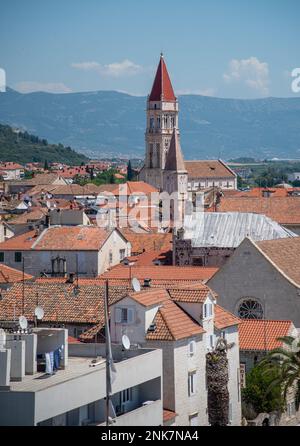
(222, 48)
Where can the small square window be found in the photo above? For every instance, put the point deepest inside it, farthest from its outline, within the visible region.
(1, 257)
(18, 257)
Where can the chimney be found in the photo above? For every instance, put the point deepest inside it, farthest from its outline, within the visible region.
(147, 283)
(71, 277)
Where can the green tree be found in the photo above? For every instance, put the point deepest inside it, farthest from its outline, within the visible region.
(259, 392)
(46, 166)
(284, 363)
(130, 173)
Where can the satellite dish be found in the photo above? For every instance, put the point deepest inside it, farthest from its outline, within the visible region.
(126, 342)
(2, 338)
(39, 313)
(23, 322)
(136, 284)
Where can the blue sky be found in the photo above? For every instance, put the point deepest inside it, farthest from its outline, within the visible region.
(224, 48)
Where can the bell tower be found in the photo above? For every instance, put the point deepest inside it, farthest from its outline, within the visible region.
(162, 118)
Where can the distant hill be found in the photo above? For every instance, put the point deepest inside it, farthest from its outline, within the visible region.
(108, 123)
(23, 147)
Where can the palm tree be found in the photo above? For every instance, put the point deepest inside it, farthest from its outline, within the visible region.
(217, 385)
(286, 361)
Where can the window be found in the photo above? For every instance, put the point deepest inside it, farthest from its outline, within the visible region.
(110, 257)
(250, 309)
(126, 396)
(192, 348)
(122, 254)
(124, 315)
(18, 257)
(192, 383)
(207, 310)
(1, 257)
(223, 334)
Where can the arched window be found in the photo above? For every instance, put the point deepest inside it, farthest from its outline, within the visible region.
(250, 308)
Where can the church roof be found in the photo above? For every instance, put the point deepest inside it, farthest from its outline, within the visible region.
(174, 159)
(162, 88)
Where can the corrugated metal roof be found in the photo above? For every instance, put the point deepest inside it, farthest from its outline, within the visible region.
(228, 229)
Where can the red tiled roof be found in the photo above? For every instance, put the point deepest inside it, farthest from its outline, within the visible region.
(60, 302)
(134, 187)
(148, 242)
(255, 334)
(11, 275)
(161, 272)
(162, 88)
(172, 323)
(284, 210)
(88, 238)
(208, 169)
(150, 297)
(192, 293)
(224, 318)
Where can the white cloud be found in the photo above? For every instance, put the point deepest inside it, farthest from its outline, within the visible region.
(203, 92)
(116, 69)
(51, 87)
(251, 72)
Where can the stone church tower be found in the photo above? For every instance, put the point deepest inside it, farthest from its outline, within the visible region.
(175, 179)
(162, 118)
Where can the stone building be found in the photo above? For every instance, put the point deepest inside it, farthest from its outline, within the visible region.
(261, 280)
(185, 323)
(58, 250)
(210, 238)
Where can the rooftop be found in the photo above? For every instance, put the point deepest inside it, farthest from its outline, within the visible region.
(255, 334)
(67, 238)
(228, 229)
(11, 275)
(162, 89)
(284, 210)
(208, 169)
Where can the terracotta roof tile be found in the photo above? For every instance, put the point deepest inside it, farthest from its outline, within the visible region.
(195, 293)
(284, 210)
(11, 275)
(172, 323)
(150, 297)
(59, 237)
(255, 334)
(224, 318)
(162, 272)
(59, 301)
(208, 169)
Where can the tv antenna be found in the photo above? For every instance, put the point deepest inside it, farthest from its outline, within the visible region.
(136, 285)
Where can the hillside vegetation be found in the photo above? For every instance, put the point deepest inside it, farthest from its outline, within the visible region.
(21, 147)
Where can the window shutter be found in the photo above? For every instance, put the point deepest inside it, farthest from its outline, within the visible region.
(118, 315)
(130, 315)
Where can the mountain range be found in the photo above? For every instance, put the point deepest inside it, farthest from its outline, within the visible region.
(110, 123)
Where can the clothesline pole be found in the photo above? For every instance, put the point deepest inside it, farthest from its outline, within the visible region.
(107, 351)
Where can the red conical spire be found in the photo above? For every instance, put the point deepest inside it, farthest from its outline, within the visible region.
(162, 88)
